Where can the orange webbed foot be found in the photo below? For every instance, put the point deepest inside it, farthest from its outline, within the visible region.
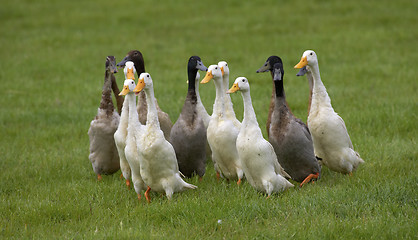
(99, 177)
(128, 183)
(239, 182)
(147, 195)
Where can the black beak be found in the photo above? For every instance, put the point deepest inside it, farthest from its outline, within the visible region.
(264, 68)
(121, 64)
(302, 71)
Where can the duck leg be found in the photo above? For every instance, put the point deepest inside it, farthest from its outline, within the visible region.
(239, 182)
(99, 177)
(128, 183)
(139, 196)
(309, 178)
(147, 195)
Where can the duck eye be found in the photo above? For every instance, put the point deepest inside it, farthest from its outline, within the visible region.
(147, 75)
(243, 80)
(311, 54)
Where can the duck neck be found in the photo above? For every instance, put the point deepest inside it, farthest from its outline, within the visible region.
(196, 87)
(106, 103)
(279, 89)
(191, 91)
(124, 116)
(227, 98)
(152, 114)
(319, 92)
(142, 103)
(133, 115)
(218, 107)
(310, 81)
(249, 113)
(191, 75)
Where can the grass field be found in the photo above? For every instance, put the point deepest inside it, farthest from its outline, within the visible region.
(52, 71)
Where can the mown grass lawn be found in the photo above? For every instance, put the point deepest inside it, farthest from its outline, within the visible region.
(52, 71)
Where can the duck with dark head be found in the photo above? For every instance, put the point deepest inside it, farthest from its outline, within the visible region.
(288, 135)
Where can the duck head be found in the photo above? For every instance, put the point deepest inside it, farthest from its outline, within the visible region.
(214, 71)
(128, 86)
(129, 70)
(308, 58)
(136, 57)
(240, 84)
(144, 82)
(111, 64)
(196, 63)
(268, 65)
(224, 67)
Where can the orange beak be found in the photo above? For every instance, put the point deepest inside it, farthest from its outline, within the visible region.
(139, 86)
(130, 74)
(234, 88)
(124, 91)
(207, 78)
(303, 62)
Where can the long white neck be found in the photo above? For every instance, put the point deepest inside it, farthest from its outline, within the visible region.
(249, 113)
(319, 92)
(124, 117)
(196, 87)
(218, 106)
(229, 109)
(133, 114)
(152, 115)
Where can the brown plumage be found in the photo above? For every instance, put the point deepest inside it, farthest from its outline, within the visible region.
(103, 153)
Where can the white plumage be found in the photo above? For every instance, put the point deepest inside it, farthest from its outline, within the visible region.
(329, 133)
(258, 158)
(135, 130)
(122, 131)
(222, 133)
(159, 168)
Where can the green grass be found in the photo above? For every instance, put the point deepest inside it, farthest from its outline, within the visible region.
(52, 71)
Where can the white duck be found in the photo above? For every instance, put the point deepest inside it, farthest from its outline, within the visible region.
(258, 158)
(159, 168)
(229, 107)
(103, 153)
(188, 134)
(222, 133)
(122, 131)
(329, 134)
(135, 129)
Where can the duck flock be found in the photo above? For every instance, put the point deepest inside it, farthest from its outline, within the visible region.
(155, 155)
